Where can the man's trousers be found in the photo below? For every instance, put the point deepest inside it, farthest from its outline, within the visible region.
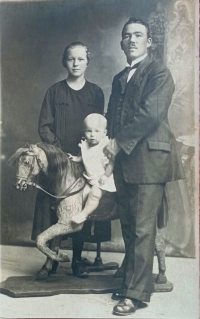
(138, 207)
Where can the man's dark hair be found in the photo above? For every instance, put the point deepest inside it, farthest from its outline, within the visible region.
(73, 45)
(135, 20)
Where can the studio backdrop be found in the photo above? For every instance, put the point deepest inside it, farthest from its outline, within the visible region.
(33, 38)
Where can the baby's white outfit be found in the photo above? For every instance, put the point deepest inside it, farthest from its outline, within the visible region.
(95, 163)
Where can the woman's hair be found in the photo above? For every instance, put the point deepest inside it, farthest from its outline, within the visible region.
(139, 21)
(73, 45)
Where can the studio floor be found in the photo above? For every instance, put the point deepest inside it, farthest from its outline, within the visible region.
(181, 303)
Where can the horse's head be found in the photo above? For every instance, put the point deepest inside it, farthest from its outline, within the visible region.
(29, 162)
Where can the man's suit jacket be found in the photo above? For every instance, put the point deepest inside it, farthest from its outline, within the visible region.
(149, 152)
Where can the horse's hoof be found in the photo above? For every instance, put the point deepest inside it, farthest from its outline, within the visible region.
(42, 274)
(63, 257)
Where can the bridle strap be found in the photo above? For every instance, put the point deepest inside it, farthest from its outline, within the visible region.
(67, 193)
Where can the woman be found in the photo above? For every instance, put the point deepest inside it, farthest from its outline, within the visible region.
(65, 106)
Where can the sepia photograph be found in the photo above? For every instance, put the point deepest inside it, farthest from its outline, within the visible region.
(99, 159)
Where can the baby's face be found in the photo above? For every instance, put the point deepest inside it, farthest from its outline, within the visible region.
(94, 133)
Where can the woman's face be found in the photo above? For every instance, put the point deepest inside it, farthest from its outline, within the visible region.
(77, 61)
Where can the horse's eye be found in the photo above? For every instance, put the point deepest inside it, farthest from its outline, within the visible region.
(26, 162)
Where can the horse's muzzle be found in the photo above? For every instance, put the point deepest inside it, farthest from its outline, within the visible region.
(21, 184)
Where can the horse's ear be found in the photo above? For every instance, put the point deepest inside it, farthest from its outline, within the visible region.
(12, 160)
(16, 156)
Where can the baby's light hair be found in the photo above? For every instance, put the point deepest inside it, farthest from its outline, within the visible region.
(95, 117)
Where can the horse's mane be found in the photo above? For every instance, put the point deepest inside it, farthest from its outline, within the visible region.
(57, 159)
(58, 163)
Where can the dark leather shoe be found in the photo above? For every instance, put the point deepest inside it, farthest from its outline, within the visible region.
(79, 269)
(125, 307)
(117, 296)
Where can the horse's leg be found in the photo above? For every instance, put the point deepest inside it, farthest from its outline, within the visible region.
(160, 247)
(46, 269)
(50, 266)
(53, 232)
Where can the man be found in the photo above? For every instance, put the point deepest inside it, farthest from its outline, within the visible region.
(145, 154)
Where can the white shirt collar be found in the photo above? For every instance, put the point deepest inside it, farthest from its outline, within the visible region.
(137, 60)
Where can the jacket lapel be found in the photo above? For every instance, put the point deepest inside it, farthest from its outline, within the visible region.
(132, 85)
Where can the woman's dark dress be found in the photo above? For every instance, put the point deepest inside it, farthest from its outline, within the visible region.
(60, 124)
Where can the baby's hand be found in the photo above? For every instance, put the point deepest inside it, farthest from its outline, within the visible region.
(103, 179)
(74, 158)
(70, 156)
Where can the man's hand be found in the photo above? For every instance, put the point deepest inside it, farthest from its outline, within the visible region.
(111, 149)
(103, 179)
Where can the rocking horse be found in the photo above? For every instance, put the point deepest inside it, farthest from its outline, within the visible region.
(69, 188)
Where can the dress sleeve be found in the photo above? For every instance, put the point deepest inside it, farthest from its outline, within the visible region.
(109, 112)
(46, 126)
(100, 100)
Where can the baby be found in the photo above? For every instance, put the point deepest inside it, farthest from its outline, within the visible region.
(98, 169)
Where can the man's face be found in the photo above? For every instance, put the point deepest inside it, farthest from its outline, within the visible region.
(134, 41)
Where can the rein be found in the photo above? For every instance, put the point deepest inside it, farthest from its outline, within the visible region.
(67, 193)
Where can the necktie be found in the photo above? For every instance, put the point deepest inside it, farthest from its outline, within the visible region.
(124, 77)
